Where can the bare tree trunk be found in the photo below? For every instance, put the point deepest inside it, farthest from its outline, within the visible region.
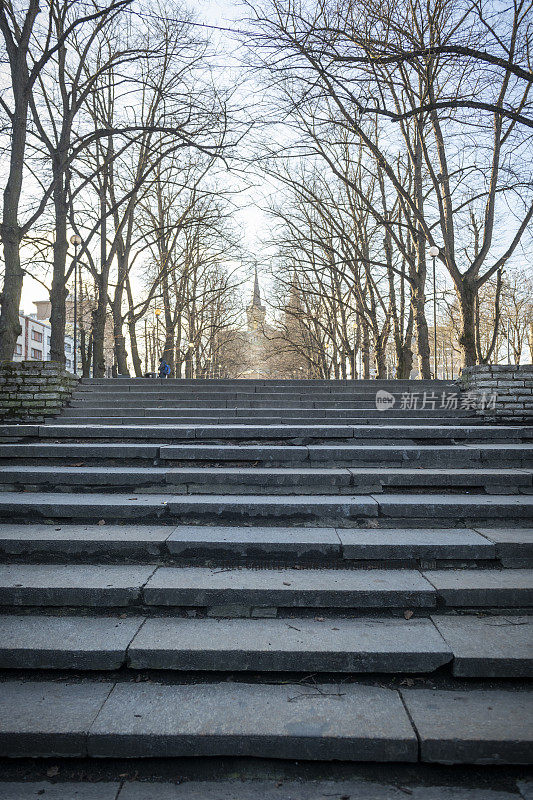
(102, 284)
(10, 232)
(58, 294)
(366, 351)
(467, 340)
(121, 354)
(136, 359)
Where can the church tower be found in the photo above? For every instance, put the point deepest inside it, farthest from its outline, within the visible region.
(256, 312)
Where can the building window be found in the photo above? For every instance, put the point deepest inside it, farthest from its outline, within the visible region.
(49, 338)
(18, 349)
(68, 348)
(36, 336)
(37, 354)
(68, 363)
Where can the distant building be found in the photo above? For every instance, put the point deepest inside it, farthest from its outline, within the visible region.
(258, 339)
(33, 344)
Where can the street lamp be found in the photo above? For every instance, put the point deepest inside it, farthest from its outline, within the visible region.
(434, 252)
(157, 313)
(354, 364)
(76, 241)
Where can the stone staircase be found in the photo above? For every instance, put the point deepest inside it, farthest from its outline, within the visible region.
(268, 569)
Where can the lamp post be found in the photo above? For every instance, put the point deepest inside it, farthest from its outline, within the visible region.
(434, 252)
(157, 313)
(76, 241)
(354, 365)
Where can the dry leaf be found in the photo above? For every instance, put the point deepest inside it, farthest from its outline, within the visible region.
(408, 614)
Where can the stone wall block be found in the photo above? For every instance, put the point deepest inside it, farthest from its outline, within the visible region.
(28, 389)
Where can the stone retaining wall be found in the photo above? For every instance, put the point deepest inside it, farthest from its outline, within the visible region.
(32, 390)
(500, 393)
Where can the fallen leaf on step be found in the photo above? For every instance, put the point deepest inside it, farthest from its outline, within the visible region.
(319, 619)
(285, 583)
(408, 614)
(101, 522)
(407, 682)
(51, 772)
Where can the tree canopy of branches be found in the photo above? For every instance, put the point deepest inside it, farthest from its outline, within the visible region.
(437, 95)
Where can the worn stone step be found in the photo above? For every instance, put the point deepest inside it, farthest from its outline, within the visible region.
(265, 390)
(361, 415)
(115, 586)
(264, 480)
(448, 433)
(438, 401)
(198, 586)
(306, 384)
(101, 418)
(490, 646)
(139, 720)
(514, 546)
(301, 645)
(359, 645)
(158, 401)
(382, 788)
(72, 585)
(461, 456)
(298, 507)
(353, 722)
(234, 544)
(68, 790)
(301, 507)
(44, 641)
(74, 451)
(472, 727)
(504, 588)
(457, 507)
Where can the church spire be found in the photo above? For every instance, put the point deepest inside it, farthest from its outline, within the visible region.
(256, 299)
(256, 312)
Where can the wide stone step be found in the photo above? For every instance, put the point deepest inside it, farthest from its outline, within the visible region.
(435, 400)
(264, 480)
(304, 384)
(229, 507)
(353, 722)
(362, 415)
(383, 788)
(101, 418)
(158, 401)
(299, 645)
(221, 544)
(104, 585)
(483, 455)
(448, 433)
(352, 390)
(493, 646)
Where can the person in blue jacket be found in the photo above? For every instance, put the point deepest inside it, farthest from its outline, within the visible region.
(164, 368)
